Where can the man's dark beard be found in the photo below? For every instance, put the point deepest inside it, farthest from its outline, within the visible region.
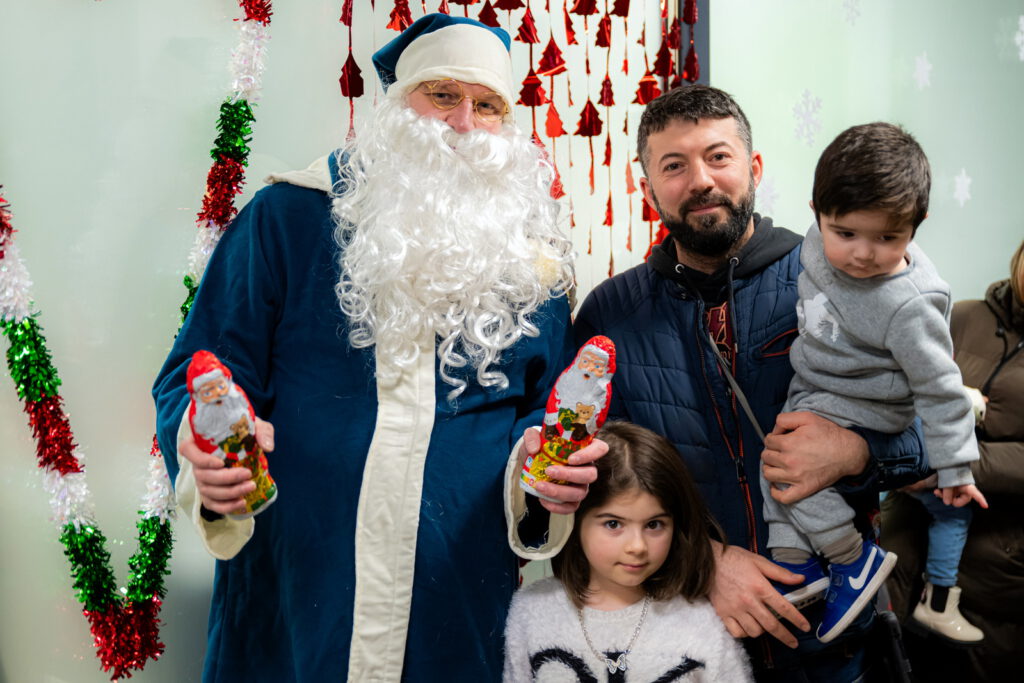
(712, 238)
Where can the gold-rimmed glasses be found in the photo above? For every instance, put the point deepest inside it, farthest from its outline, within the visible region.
(446, 94)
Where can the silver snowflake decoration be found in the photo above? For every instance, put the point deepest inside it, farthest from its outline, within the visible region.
(922, 71)
(963, 187)
(1019, 37)
(766, 196)
(806, 111)
(852, 10)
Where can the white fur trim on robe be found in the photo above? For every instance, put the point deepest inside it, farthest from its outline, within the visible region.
(559, 527)
(316, 176)
(222, 538)
(387, 521)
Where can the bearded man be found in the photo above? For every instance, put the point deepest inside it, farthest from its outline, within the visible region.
(702, 334)
(398, 312)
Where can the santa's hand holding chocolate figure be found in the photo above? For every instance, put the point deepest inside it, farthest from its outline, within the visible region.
(576, 409)
(223, 424)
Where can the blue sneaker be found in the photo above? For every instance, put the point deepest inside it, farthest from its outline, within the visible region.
(813, 588)
(852, 587)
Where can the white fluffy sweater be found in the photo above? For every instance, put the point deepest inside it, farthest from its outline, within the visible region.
(679, 641)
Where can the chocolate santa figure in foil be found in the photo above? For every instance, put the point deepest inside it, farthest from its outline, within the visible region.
(223, 423)
(576, 409)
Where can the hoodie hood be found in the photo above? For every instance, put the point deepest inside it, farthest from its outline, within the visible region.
(765, 246)
(1008, 311)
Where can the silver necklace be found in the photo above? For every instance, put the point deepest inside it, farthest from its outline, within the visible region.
(619, 663)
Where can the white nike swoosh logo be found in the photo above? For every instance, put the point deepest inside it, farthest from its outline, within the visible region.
(857, 582)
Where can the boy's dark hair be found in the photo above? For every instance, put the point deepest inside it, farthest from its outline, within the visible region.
(639, 459)
(691, 103)
(874, 166)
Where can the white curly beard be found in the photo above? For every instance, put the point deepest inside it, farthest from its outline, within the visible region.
(445, 236)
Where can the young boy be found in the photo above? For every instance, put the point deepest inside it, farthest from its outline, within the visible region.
(874, 351)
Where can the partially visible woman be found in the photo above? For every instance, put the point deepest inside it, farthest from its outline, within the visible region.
(988, 338)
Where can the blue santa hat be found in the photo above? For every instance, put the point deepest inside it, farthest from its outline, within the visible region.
(442, 46)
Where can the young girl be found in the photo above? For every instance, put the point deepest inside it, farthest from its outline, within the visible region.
(628, 601)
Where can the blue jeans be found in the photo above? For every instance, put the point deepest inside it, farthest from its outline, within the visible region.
(947, 535)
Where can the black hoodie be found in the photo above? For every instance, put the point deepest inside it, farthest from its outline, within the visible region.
(767, 245)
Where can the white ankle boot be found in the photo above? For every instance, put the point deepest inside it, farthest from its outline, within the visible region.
(949, 622)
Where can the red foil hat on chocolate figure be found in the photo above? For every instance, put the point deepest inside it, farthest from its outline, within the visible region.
(204, 367)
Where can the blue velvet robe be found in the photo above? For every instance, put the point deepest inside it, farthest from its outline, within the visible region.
(282, 607)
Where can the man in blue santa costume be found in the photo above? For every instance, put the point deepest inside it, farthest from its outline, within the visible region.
(398, 313)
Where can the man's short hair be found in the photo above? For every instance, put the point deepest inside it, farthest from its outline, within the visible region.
(690, 103)
(873, 166)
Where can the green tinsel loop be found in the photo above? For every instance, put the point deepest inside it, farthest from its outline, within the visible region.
(234, 132)
(149, 564)
(29, 360)
(85, 548)
(186, 305)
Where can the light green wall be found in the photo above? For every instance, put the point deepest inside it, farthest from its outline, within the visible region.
(106, 118)
(858, 58)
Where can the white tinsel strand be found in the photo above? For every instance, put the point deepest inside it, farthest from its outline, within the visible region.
(159, 498)
(247, 60)
(207, 236)
(14, 285)
(70, 500)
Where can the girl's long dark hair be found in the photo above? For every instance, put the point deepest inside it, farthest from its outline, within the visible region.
(639, 459)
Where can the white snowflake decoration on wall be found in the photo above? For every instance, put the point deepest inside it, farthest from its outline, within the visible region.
(922, 71)
(852, 10)
(808, 123)
(766, 196)
(963, 187)
(1019, 37)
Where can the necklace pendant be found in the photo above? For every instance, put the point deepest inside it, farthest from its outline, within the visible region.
(618, 665)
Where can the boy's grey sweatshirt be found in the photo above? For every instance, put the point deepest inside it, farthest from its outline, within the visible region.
(876, 351)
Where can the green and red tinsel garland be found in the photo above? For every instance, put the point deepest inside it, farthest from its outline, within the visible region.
(124, 624)
(125, 629)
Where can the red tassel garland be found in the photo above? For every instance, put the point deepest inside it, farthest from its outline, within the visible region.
(532, 94)
(607, 98)
(487, 16)
(570, 33)
(674, 35)
(401, 16)
(351, 80)
(663, 63)
(691, 68)
(553, 123)
(690, 12)
(590, 124)
(584, 7)
(528, 29)
(648, 89)
(551, 61)
(604, 32)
